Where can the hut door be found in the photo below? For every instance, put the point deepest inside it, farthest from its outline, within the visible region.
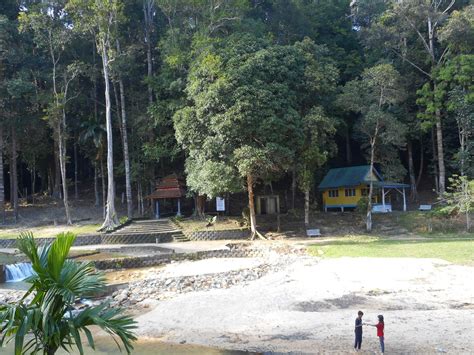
(271, 205)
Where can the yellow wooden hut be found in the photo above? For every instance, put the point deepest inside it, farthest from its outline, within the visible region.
(343, 188)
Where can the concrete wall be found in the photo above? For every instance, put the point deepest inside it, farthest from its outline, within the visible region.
(219, 234)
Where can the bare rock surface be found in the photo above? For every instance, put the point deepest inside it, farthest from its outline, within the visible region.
(306, 305)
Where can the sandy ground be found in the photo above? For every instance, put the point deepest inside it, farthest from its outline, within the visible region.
(310, 307)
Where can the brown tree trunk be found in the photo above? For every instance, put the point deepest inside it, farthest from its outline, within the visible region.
(57, 173)
(306, 207)
(148, 16)
(140, 211)
(62, 165)
(371, 187)
(126, 158)
(76, 189)
(200, 205)
(253, 218)
(348, 147)
(441, 166)
(33, 183)
(435, 160)
(293, 187)
(96, 185)
(420, 171)
(411, 171)
(2, 180)
(14, 176)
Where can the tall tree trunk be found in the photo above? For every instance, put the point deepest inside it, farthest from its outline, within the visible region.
(11, 179)
(306, 207)
(200, 205)
(293, 187)
(439, 140)
(33, 184)
(104, 194)
(111, 220)
(76, 190)
(148, 16)
(148, 12)
(126, 158)
(57, 172)
(420, 171)
(50, 180)
(371, 186)
(2, 180)
(348, 147)
(96, 186)
(62, 164)
(141, 209)
(411, 171)
(253, 218)
(435, 160)
(14, 176)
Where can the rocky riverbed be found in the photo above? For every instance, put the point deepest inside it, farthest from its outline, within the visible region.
(202, 275)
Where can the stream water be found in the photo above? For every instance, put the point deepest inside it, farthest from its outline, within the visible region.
(18, 272)
(108, 347)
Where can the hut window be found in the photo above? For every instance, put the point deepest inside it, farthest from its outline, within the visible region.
(350, 192)
(333, 193)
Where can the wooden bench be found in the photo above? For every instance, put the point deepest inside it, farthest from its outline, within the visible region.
(424, 208)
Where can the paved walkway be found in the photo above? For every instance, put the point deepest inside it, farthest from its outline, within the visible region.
(188, 247)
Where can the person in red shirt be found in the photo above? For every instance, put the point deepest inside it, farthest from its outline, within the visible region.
(380, 327)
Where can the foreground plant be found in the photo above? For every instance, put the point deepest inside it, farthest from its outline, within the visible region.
(49, 321)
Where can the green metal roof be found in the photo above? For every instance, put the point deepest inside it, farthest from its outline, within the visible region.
(390, 185)
(350, 176)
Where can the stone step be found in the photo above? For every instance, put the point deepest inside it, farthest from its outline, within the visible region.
(144, 232)
(151, 230)
(180, 238)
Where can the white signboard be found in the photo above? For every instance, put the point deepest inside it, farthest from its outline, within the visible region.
(220, 204)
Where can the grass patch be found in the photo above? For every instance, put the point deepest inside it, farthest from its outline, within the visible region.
(426, 223)
(49, 231)
(455, 251)
(222, 223)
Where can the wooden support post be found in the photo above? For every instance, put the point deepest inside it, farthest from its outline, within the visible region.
(383, 199)
(157, 211)
(404, 201)
(179, 207)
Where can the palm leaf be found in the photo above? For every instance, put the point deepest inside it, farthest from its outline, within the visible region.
(59, 252)
(58, 283)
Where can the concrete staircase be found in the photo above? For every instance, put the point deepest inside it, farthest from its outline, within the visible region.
(148, 231)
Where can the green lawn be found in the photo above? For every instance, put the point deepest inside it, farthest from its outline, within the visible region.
(49, 231)
(455, 251)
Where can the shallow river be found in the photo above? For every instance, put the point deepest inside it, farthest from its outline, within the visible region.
(108, 347)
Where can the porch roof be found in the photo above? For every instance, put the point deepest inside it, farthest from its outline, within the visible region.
(171, 186)
(390, 185)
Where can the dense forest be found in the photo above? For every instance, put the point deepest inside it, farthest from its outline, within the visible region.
(114, 94)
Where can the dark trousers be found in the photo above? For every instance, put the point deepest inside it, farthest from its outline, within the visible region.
(358, 341)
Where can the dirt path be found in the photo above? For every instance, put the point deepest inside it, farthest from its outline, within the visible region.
(310, 306)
